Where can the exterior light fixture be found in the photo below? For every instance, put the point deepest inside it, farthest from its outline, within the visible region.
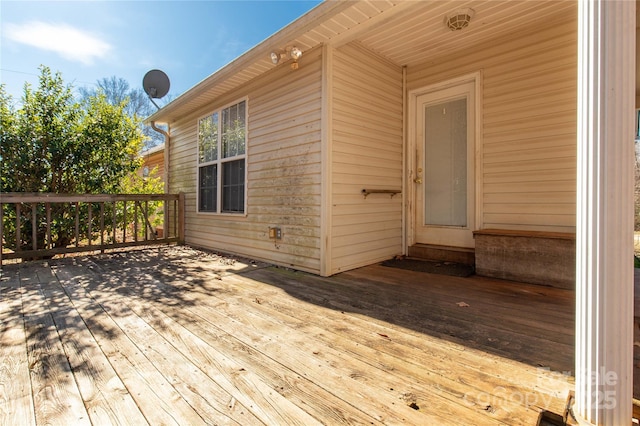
(276, 56)
(459, 19)
(295, 54)
(291, 52)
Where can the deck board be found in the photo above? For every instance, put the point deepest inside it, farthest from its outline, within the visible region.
(57, 398)
(158, 400)
(180, 336)
(16, 398)
(400, 352)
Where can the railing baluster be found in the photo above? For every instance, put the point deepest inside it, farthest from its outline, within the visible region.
(77, 225)
(165, 218)
(114, 224)
(102, 227)
(175, 217)
(18, 231)
(89, 219)
(146, 220)
(49, 243)
(34, 227)
(135, 221)
(124, 221)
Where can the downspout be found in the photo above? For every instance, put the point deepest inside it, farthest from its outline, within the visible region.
(167, 139)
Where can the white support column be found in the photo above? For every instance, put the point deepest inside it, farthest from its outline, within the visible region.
(604, 223)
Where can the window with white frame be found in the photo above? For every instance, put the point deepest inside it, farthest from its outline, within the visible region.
(222, 141)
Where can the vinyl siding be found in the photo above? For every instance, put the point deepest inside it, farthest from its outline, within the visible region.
(366, 153)
(527, 149)
(283, 170)
(154, 161)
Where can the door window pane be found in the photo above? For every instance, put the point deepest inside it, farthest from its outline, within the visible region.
(445, 170)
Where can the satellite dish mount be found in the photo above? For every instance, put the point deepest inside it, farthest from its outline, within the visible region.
(156, 85)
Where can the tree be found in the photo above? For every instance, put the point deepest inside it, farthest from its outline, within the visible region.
(56, 144)
(117, 91)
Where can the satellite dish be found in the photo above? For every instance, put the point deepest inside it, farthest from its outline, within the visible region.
(156, 85)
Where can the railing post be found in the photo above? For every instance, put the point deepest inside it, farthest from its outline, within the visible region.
(181, 214)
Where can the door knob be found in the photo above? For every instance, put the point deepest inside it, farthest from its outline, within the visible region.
(418, 180)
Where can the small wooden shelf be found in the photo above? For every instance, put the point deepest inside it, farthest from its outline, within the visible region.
(392, 192)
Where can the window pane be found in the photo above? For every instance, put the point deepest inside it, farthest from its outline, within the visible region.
(208, 183)
(233, 186)
(233, 130)
(445, 178)
(208, 138)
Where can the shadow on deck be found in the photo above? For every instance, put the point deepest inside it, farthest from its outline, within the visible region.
(180, 336)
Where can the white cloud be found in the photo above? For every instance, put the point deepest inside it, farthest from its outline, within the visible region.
(69, 42)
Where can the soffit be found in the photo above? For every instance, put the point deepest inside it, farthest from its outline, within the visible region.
(403, 32)
(420, 34)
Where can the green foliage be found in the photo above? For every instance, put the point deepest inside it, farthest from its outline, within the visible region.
(117, 91)
(136, 184)
(55, 144)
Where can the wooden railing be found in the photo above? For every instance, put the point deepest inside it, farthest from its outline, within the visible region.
(42, 225)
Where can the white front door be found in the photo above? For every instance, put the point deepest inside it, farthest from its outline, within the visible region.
(444, 169)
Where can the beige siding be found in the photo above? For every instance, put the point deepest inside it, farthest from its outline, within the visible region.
(153, 161)
(283, 163)
(366, 153)
(528, 144)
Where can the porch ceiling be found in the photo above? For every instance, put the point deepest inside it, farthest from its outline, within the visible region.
(404, 32)
(417, 32)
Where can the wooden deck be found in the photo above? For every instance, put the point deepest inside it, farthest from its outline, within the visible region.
(177, 336)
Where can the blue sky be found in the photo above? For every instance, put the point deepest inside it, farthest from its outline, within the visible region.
(89, 40)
